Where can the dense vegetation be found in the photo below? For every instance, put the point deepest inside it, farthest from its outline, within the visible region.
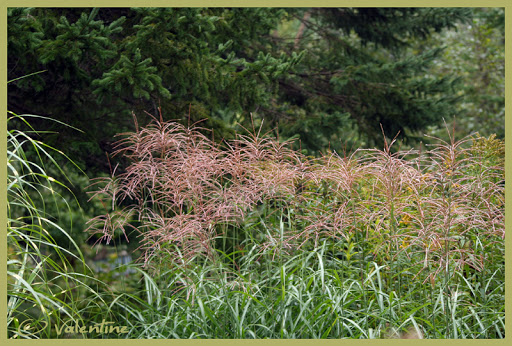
(218, 148)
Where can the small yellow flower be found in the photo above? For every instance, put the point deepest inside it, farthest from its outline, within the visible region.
(406, 220)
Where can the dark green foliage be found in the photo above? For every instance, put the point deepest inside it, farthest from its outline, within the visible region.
(357, 62)
(391, 27)
(344, 72)
(101, 64)
(24, 32)
(130, 74)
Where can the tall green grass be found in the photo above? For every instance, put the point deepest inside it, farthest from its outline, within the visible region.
(47, 282)
(309, 295)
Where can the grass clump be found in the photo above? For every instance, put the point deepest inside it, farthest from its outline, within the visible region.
(48, 283)
(250, 239)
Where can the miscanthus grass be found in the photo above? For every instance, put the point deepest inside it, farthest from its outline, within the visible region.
(250, 239)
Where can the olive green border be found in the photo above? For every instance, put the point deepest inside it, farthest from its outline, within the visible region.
(252, 3)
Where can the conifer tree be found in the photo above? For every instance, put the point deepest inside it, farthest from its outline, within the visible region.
(358, 73)
(103, 64)
(330, 76)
